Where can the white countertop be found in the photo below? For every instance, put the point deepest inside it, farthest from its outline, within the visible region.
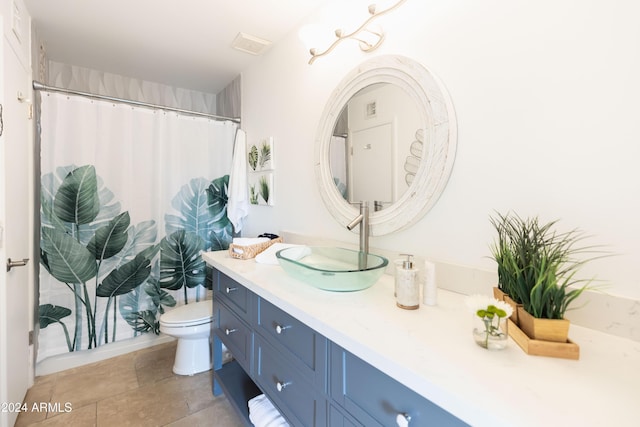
(431, 350)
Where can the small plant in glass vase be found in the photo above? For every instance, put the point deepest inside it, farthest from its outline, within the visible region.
(490, 321)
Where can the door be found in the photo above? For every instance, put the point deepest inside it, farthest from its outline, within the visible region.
(16, 312)
(372, 165)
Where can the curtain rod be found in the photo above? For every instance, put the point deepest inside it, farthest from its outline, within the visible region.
(46, 88)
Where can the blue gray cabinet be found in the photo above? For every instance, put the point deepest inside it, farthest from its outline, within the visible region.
(232, 311)
(375, 399)
(311, 380)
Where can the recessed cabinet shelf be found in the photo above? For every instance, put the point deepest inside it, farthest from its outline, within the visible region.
(237, 386)
(309, 379)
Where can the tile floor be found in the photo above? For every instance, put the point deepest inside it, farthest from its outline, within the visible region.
(136, 389)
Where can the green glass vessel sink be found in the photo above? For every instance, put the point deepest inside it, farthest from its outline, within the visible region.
(332, 269)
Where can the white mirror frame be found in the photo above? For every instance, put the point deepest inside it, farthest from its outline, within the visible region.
(436, 108)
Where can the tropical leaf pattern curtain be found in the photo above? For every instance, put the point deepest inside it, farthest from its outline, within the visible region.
(130, 199)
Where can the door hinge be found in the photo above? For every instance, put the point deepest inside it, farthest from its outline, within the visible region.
(30, 337)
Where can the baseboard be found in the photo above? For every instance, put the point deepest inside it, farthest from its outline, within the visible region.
(74, 359)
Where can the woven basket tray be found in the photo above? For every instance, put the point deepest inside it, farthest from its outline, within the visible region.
(250, 251)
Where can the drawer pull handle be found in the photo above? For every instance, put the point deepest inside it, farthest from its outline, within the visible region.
(403, 420)
(228, 331)
(281, 386)
(280, 329)
(229, 290)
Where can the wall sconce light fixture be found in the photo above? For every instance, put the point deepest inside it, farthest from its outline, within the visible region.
(368, 37)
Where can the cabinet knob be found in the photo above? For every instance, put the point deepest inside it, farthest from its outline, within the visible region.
(403, 420)
(228, 331)
(229, 290)
(280, 329)
(281, 386)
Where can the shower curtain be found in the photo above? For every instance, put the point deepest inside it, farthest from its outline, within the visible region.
(130, 198)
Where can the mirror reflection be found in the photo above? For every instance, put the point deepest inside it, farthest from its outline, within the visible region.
(377, 145)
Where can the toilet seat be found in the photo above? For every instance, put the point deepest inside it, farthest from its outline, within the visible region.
(188, 315)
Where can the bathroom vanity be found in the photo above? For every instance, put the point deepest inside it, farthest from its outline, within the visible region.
(310, 379)
(347, 359)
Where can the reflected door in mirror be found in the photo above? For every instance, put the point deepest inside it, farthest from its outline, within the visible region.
(374, 133)
(372, 168)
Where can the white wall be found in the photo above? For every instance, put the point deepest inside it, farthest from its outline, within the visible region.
(546, 95)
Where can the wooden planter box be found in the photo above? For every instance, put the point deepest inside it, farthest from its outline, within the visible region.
(563, 350)
(537, 343)
(499, 295)
(555, 330)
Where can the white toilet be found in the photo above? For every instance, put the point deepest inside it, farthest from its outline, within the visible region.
(191, 324)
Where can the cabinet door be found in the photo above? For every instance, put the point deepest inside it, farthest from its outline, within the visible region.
(286, 386)
(232, 293)
(374, 398)
(235, 334)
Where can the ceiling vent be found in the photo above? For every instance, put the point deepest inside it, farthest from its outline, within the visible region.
(250, 44)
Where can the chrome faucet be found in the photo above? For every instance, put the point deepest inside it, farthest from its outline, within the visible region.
(363, 220)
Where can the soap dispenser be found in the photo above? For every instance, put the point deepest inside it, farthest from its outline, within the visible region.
(407, 285)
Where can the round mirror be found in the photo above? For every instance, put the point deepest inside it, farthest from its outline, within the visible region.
(387, 137)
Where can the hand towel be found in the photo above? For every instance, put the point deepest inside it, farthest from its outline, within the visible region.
(246, 241)
(268, 256)
(262, 413)
(298, 253)
(238, 203)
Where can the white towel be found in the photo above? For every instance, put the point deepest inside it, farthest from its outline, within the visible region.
(246, 241)
(298, 253)
(238, 203)
(268, 256)
(262, 413)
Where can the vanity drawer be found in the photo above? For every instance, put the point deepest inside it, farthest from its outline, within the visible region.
(235, 334)
(232, 293)
(296, 399)
(305, 346)
(374, 398)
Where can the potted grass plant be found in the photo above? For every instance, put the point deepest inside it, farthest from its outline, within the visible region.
(504, 252)
(537, 268)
